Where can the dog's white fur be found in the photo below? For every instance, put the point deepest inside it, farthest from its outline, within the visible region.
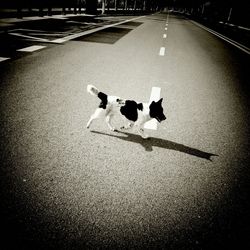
(113, 107)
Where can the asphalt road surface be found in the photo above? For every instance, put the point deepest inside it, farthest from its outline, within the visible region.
(66, 187)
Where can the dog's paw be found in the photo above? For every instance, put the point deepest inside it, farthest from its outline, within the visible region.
(142, 133)
(145, 136)
(126, 127)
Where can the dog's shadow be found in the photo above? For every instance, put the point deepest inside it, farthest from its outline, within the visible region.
(157, 142)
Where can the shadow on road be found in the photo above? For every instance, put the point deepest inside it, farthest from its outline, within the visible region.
(161, 143)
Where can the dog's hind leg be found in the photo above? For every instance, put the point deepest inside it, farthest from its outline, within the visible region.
(98, 112)
(128, 126)
(108, 121)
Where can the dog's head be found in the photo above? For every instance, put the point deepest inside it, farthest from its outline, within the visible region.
(156, 110)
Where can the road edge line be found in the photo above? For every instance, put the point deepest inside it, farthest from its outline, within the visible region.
(232, 42)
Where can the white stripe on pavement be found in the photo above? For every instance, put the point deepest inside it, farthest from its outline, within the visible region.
(4, 59)
(164, 35)
(166, 28)
(234, 43)
(70, 37)
(155, 96)
(31, 37)
(167, 16)
(59, 40)
(162, 51)
(31, 48)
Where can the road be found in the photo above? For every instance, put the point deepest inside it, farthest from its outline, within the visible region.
(66, 187)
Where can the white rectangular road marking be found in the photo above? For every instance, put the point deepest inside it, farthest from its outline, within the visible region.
(155, 96)
(162, 51)
(166, 28)
(31, 48)
(164, 35)
(4, 59)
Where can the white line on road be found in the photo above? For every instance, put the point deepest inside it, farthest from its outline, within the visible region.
(70, 37)
(31, 48)
(164, 35)
(155, 96)
(162, 51)
(30, 30)
(59, 40)
(166, 28)
(167, 16)
(234, 43)
(30, 37)
(4, 59)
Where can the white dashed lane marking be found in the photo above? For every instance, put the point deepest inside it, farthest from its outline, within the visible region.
(31, 48)
(162, 51)
(155, 96)
(164, 35)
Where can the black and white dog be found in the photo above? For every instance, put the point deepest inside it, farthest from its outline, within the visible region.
(136, 114)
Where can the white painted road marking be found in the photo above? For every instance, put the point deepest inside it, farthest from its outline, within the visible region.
(167, 16)
(59, 40)
(31, 37)
(31, 48)
(155, 96)
(162, 51)
(70, 37)
(166, 28)
(234, 43)
(164, 35)
(4, 59)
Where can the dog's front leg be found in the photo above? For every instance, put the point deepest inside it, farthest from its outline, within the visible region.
(140, 131)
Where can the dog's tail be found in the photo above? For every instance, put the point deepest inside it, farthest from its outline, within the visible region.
(92, 90)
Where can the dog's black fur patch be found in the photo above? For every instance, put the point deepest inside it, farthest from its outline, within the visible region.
(104, 100)
(140, 106)
(129, 110)
(156, 111)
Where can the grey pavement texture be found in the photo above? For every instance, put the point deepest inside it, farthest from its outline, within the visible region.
(66, 187)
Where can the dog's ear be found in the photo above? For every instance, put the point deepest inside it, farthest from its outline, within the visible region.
(160, 101)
